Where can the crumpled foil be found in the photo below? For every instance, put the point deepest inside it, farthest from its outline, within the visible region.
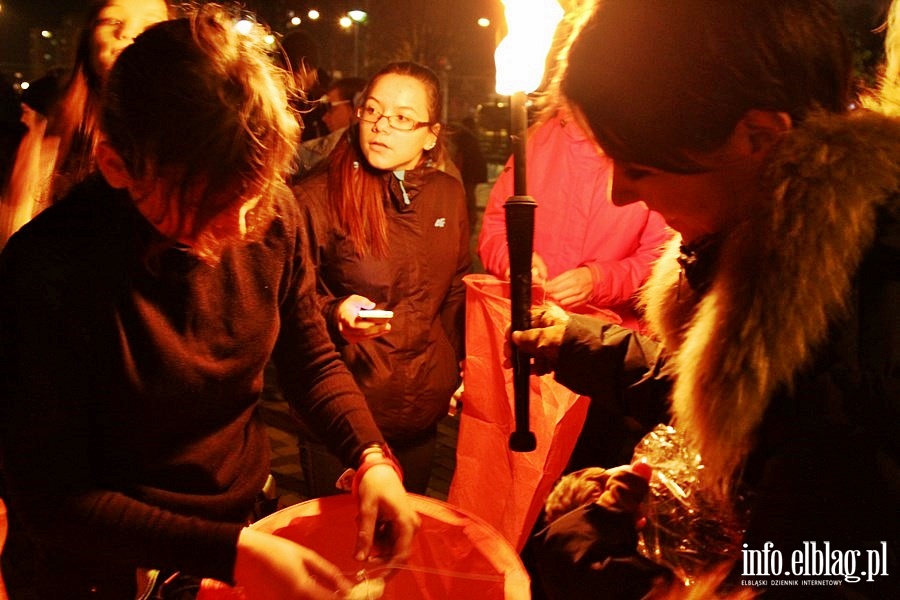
(685, 530)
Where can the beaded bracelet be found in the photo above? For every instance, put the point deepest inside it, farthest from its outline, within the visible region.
(386, 459)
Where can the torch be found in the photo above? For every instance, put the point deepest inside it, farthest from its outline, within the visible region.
(520, 59)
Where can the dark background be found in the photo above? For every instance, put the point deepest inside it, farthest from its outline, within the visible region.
(439, 33)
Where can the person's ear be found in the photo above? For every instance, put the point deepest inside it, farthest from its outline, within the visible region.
(762, 129)
(431, 142)
(112, 166)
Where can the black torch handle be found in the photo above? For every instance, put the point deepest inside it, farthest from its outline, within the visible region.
(520, 240)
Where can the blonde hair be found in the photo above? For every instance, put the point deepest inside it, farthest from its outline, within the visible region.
(886, 97)
(203, 105)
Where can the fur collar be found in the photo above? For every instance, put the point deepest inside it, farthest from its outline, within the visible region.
(782, 277)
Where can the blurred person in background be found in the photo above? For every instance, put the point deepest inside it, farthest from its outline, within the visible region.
(300, 55)
(58, 149)
(339, 106)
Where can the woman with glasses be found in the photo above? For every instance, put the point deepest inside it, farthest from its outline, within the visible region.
(390, 232)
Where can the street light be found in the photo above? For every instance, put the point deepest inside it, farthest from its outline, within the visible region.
(358, 17)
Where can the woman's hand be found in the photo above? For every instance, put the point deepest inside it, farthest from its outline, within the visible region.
(626, 488)
(538, 269)
(545, 337)
(269, 567)
(387, 521)
(354, 329)
(573, 287)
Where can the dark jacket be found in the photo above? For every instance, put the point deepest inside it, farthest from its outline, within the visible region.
(782, 346)
(409, 374)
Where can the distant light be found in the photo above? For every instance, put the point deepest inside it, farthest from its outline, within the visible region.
(345, 22)
(358, 15)
(243, 26)
(46, 34)
(484, 22)
(313, 14)
(269, 39)
(25, 85)
(295, 21)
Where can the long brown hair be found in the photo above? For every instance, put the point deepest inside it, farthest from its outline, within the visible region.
(356, 189)
(76, 117)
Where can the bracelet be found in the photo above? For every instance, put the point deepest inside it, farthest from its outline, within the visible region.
(388, 459)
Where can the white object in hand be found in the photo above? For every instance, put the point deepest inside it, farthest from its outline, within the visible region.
(376, 315)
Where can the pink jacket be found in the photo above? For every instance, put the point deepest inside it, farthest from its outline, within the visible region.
(575, 222)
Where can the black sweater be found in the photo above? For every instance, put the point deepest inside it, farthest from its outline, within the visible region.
(129, 423)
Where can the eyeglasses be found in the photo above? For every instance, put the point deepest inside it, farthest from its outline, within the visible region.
(398, 122)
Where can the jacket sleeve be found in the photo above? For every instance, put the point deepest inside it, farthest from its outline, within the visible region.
(492, 247)
(453, 310)
(621, 368)
(617, 281)
(316, 238)
(591, 552)
(315, 380)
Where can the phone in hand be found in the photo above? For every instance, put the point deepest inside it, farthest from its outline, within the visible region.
(376, 315)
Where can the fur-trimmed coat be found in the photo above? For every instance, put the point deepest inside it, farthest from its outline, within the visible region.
(784, 369)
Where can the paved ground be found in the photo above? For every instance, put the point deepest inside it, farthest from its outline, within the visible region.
(286, 464)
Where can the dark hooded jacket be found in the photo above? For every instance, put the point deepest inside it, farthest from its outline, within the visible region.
(781, 344)
(409, 374)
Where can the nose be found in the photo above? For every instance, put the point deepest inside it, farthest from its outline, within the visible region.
(378, 121)
(128, 31)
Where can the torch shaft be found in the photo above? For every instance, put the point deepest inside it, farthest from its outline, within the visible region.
(519, 239)
(518, 127)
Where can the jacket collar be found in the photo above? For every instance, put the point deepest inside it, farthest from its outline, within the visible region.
(404, 186)
(779, 280)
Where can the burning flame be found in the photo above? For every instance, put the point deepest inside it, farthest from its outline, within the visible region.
(521, 56)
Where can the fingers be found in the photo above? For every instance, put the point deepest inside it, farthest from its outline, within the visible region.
(539, 271)
(362, 330)
(404, 531)
(365, 531)
(625, 490)
(526, 341)
(642, 469)
(572, 287)
(387, 522)
(327, 575)
(269, 567)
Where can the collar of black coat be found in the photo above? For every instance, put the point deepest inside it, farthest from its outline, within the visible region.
(404, 186)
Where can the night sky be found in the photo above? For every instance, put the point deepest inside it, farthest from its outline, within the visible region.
(433, 17)
(17, 16)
